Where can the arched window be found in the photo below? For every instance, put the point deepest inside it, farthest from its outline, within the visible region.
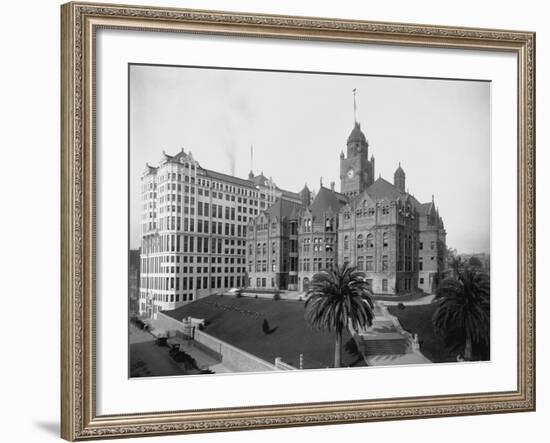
(264, 248)
(385, 239)
(370, 241)
(250, 249)
(258, 248)
(360, 241)
(273, 248)
(346, 242)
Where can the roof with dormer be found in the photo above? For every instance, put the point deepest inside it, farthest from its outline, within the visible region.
(327, 200)
(284, 209)
(382, 189)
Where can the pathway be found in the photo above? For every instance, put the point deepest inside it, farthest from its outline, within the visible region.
(386, 343)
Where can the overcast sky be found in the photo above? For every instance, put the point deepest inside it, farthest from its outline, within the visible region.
(299, 123)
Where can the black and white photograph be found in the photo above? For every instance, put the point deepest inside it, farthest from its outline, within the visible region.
(286, 221)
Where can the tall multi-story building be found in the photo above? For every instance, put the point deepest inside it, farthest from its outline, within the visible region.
(375, 225)
(193, 229)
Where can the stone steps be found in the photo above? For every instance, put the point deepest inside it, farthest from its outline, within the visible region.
(385, 345)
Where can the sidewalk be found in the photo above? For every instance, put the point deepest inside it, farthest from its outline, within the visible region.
(204, 360)
(426, 300)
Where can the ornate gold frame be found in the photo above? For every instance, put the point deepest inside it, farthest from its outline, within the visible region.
(79, 21)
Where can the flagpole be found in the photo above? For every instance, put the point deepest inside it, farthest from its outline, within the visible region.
(354, 106)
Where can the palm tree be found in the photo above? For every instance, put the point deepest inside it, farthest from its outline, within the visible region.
(338, 298)
(463, 314)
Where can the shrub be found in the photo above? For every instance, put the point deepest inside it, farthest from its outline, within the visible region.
(276, 296)
(401, 306)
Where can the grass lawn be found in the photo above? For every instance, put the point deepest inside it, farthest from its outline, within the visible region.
(418, 320)
(238, 321)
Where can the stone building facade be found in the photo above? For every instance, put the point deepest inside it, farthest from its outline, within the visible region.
(272, 247)
(375, 225)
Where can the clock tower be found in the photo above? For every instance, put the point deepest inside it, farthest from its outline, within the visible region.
(356, 170)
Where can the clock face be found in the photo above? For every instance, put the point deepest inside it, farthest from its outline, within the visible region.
(350, 173)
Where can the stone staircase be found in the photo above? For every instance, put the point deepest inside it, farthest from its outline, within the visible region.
(383, 344)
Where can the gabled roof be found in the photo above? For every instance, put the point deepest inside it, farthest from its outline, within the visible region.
(326, 200)
(425, 208)
(283, 208)
(290, 194)
(382, 189)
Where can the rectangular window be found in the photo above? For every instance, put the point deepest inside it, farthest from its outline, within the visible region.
(384, 263)
(384, 285)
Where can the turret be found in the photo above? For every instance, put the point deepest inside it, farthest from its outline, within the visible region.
(305, 195)
(399, 178)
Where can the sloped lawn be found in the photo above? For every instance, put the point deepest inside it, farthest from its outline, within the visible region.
(239, 321)
(418, 320)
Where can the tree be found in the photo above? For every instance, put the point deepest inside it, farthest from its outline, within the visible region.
(457, 265)
(338, 298)
(463, 314)
(475, 262)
